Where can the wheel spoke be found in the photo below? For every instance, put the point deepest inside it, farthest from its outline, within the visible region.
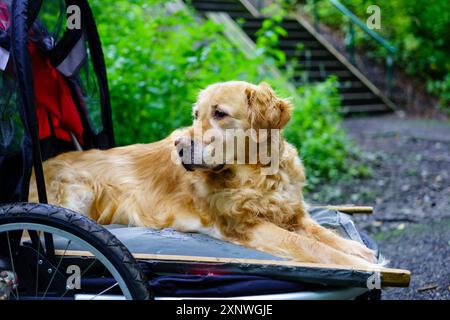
(12, 263)
(56, 270)
(82, 275)
(104, 291)
(37, 263)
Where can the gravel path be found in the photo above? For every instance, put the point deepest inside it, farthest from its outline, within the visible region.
(410, 189)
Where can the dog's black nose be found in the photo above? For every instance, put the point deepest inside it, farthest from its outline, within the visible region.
(185, 149)
(188, 167)
(219, 167)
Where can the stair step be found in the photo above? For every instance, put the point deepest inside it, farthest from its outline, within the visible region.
(217, 2)
(315, 62)
(299, 34)
(346, 86)
(240, 16)
(308, 53)
(287, 25)
(300, 69)
(223, 7)
(300, 80)
(367, 95)
(256, 26)
(299, 38)
(286, 43)
(261, 19)
(292, 25)
(325, 73)
(357, 86)
(365, 108)
(253, 27)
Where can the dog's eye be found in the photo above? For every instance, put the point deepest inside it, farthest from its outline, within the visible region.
(219, 114)
(196, 115)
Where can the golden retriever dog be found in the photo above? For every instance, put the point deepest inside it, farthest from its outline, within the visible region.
(157, 185)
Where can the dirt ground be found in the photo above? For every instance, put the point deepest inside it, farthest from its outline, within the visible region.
(410, 190)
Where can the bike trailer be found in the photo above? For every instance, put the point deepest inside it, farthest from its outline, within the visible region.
(54, 98)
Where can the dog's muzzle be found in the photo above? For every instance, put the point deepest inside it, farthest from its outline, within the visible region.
(191, 155)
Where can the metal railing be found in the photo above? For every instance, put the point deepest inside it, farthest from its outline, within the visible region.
(350, 39)
(353, 21)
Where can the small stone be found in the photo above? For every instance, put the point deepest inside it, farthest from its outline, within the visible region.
(377, 223)
(401, 114)
(406, 211)
(401, 226)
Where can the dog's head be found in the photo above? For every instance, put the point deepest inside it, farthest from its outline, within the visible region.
(227, 117)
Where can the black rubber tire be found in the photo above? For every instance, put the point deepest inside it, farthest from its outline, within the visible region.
(89, 231)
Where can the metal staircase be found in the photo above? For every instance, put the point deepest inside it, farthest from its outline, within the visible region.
(315, 61)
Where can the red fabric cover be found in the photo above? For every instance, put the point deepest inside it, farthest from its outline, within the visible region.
(4, 16)
(52, 94)
(53, 98)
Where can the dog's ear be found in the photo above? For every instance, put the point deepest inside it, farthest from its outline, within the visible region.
(265, 109)
(285, 108)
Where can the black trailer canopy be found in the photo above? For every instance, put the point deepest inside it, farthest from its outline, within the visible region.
(54, 91)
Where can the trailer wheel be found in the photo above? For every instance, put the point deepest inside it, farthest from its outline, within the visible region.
(41, 247)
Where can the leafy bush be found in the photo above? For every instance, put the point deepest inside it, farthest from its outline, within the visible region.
(315, 129)
(157, 63)
(268, 37)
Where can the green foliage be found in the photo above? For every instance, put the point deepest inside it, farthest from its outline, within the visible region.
(268, 37)
(315, 129)
(157, 63)
(419, 29)
(442, 89)
(268, 40)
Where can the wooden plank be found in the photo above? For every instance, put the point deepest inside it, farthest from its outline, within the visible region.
(389, 277)
(350, 209)
(249, 6)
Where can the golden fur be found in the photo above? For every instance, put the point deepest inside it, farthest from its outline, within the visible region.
(141, 185)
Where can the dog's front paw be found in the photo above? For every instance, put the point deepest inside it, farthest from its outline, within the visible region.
(360, 250)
